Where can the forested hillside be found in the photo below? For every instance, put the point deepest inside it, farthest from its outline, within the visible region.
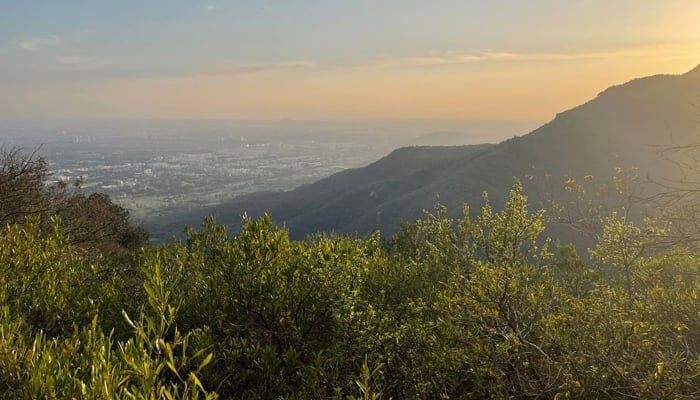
(626, 126)
(466, 308)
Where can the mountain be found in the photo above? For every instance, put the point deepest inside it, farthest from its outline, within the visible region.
(451, 139)
(623, 126)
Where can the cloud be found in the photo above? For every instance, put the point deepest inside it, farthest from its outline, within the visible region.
(479, 56)
(82, 63)
(86, 67)
(240, 69)
(448, 59)
(211, 7)
(36, 44)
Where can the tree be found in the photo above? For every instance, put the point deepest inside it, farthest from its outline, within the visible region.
(92, 221)
(22, 191)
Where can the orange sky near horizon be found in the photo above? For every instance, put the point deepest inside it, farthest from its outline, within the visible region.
(530, 89)
(532, 83)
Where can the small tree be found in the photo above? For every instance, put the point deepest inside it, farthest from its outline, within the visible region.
(22, 191)
(92, 221)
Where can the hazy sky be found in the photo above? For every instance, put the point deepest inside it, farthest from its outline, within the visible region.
(305, 59)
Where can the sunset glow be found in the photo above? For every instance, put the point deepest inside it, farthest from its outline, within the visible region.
(331, 60)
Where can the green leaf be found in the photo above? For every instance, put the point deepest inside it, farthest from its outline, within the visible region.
(205, 362)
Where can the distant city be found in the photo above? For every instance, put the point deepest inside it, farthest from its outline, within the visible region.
(157, 170)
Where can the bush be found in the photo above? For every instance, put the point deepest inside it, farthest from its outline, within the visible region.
(474, 308)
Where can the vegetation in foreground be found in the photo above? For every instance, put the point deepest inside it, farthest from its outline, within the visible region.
(469, 309)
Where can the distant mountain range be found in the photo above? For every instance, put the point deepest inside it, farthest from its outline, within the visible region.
(622, 126)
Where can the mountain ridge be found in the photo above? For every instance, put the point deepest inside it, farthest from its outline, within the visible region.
(619, 127)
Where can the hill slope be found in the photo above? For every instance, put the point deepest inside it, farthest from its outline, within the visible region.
(621, 127)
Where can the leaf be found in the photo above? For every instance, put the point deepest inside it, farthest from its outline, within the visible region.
(205, 362)
(196, 381)
(128, 320)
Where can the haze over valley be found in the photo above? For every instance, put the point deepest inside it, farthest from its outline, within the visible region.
(160, 170)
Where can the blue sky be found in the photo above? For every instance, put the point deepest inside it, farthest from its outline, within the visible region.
(87, 59)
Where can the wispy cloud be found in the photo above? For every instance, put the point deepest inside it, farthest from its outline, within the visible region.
(450, 58)
(240, 69)
(39, 43)
(480, 56)
(82, 63)
(211, 7)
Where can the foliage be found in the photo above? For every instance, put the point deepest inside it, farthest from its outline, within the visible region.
(46, 285)
(474, 308)
(92, 221)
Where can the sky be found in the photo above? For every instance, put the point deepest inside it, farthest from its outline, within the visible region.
(327, 59)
